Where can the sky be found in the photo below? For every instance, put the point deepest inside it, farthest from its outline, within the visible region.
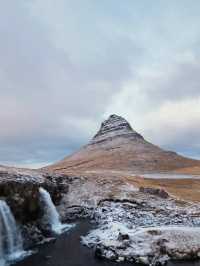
(66, 65)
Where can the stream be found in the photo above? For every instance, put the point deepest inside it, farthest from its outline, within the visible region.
(67, 250)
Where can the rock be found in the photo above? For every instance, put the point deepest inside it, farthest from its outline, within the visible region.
(101, 252)
(122, 237)
(23, 199)
(148, 232)
(76, 212)
(170, 243)
(32, 235)
(163, 193)
(98, 251)
(155, 191)
(114, 126)
(20, 189)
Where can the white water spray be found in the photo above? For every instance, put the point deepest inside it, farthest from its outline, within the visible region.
(51, 215)
(11, 246)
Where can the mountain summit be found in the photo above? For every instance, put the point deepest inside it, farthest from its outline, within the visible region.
(115, 126)
(118, 147)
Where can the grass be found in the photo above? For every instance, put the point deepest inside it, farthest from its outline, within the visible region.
(184, 189)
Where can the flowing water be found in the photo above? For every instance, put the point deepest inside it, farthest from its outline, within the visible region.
(51, 215)
(68, 251)
(11, 245)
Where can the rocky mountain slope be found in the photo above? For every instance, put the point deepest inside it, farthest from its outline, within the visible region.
(117, 147)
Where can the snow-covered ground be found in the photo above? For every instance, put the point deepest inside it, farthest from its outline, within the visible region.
(20, 175)
(88, 192)
(147, 245)
(145, 231)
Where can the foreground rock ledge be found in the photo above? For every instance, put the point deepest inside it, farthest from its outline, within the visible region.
(149, 246)
(142, 226)
(144, 231)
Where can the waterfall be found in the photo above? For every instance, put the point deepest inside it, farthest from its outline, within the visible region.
(51, 215)
(11, 246)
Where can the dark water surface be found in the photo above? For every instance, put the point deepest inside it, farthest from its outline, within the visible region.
(67, 251)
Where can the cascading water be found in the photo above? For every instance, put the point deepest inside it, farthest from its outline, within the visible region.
(11, 246)
(51, 215)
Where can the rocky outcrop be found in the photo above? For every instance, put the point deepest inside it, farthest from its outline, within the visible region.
(148, 230)
(20, 189)
(153, 246)
(118, 147)
(22, 199)
(77, 212)
(155, 191)
(22, 195)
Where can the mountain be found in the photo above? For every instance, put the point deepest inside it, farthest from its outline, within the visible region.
(118, 147)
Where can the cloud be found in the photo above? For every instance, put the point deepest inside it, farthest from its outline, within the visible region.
(65, 65)
(164, 104)
(52, 91)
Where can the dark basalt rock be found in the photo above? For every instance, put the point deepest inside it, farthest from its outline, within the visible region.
(101, 252)
(22, 199)
(155, 191)
(73, 213)
(22, 194)
(122, 237)
(20, 189)
(33, 235)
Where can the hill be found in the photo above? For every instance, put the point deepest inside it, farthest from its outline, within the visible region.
(118, 147)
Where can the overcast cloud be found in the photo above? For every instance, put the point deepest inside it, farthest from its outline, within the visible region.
(67, 64)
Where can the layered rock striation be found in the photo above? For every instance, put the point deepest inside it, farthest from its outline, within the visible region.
(115, 127)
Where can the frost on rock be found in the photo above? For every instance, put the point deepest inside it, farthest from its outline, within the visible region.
(12, 174)
(145, 233)
(148, 246)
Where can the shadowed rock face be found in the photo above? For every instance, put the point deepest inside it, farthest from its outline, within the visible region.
(118, 147)
(20, 189)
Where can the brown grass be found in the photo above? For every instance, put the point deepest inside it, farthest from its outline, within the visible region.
(185, 189)
(189, 170)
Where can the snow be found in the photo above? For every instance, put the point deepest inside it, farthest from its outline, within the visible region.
(146, 245)
(90, 192)
(112, 127)
(144, 232)
(20, 175)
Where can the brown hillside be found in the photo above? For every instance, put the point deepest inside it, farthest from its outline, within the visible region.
(117, 146)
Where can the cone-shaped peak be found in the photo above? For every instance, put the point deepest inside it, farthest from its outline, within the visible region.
(117, 147)
(115, 126)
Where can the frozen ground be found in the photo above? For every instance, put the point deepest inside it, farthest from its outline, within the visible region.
(146, 230)
(20, 175)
